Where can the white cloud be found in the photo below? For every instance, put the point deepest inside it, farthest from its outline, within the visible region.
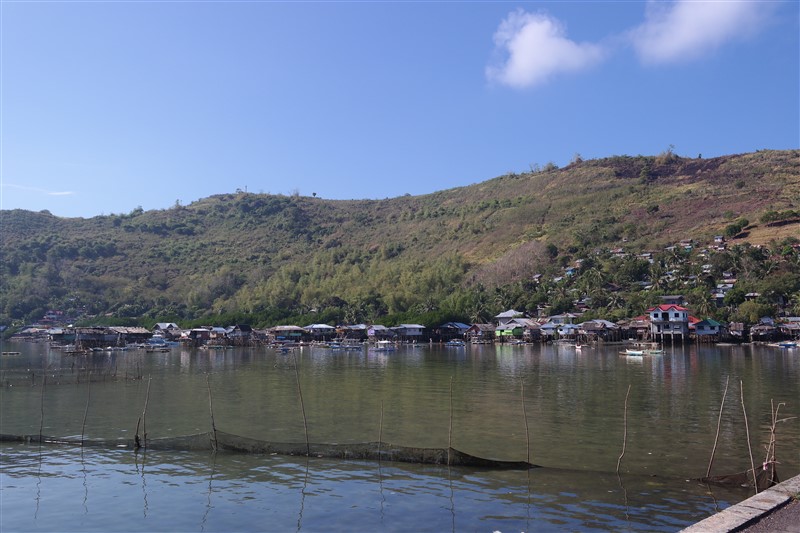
(38, 190)
(537, 48)
(685, 29)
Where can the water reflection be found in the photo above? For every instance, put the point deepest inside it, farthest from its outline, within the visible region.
(210, 491)
(237, 492)
(574, 408)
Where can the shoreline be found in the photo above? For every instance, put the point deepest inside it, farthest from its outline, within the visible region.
(778, 502)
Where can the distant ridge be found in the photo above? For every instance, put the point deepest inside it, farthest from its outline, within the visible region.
(275, 256)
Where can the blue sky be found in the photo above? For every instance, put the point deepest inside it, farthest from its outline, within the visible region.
(107, 106)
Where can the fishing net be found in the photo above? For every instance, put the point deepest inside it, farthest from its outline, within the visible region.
(221, 441)
(766, 476)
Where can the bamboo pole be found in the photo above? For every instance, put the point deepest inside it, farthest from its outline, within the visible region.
(211, 410)
(450, 430)
(137, 443)
(625, 431)
(719, 423)
(527, 432)
(41, 409)
(747, 432)
(302, 405)
(86, 411)
(773, 440)
(380, 434)
(144, 411)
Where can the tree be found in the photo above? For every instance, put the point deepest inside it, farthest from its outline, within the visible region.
(701, 303)
(751, 312)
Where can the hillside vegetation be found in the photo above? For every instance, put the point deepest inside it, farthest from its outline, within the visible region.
(459, 253)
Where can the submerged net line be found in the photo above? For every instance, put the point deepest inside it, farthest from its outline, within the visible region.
(766, 475)
(222, 441)
(216, 440)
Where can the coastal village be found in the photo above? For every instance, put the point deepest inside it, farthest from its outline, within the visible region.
(671, 321)
(667, 323)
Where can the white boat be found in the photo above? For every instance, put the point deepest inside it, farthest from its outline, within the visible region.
(455, 343)
(158, 341)
(383, 346)
(632, 352)
(346, 345)
(154, 348)
(640, 353)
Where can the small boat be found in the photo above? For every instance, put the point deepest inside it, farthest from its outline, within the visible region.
(158, 342)
(640, 353)
(157, 349)
(455, 343)
(629, 351)
(383, 346)
(346, 345)
(787, 344)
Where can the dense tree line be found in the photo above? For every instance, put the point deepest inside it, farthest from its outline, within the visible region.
(533, 240)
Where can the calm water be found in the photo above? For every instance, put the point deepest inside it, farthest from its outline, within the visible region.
(575, 413)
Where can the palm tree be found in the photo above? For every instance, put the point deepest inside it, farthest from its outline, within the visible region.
(700, 300)
(657, 279)
(593, 279)
(615, 301)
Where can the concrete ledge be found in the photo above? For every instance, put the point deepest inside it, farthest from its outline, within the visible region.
(739, 516)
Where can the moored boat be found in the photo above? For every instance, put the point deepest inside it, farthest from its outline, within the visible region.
(383, 346)
(632, 352)
(640, 353)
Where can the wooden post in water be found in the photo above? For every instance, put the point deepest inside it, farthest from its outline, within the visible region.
(625, 432)
(144, 411)
(380, 434)
(747, 433)
(719, 422)
(527, 432)
(137, 443)
(450, 430)
(86, 411)
(211, 410)
(770, 457)
(302, 405)
(41, 409)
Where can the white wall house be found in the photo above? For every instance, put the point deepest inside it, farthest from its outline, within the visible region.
(669, 320)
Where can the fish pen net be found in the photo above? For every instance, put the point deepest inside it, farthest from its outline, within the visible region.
(222, 441)
(766, 476)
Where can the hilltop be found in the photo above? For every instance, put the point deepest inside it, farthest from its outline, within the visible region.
(454, 253)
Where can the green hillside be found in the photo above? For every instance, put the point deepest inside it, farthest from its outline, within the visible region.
(458, 253)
